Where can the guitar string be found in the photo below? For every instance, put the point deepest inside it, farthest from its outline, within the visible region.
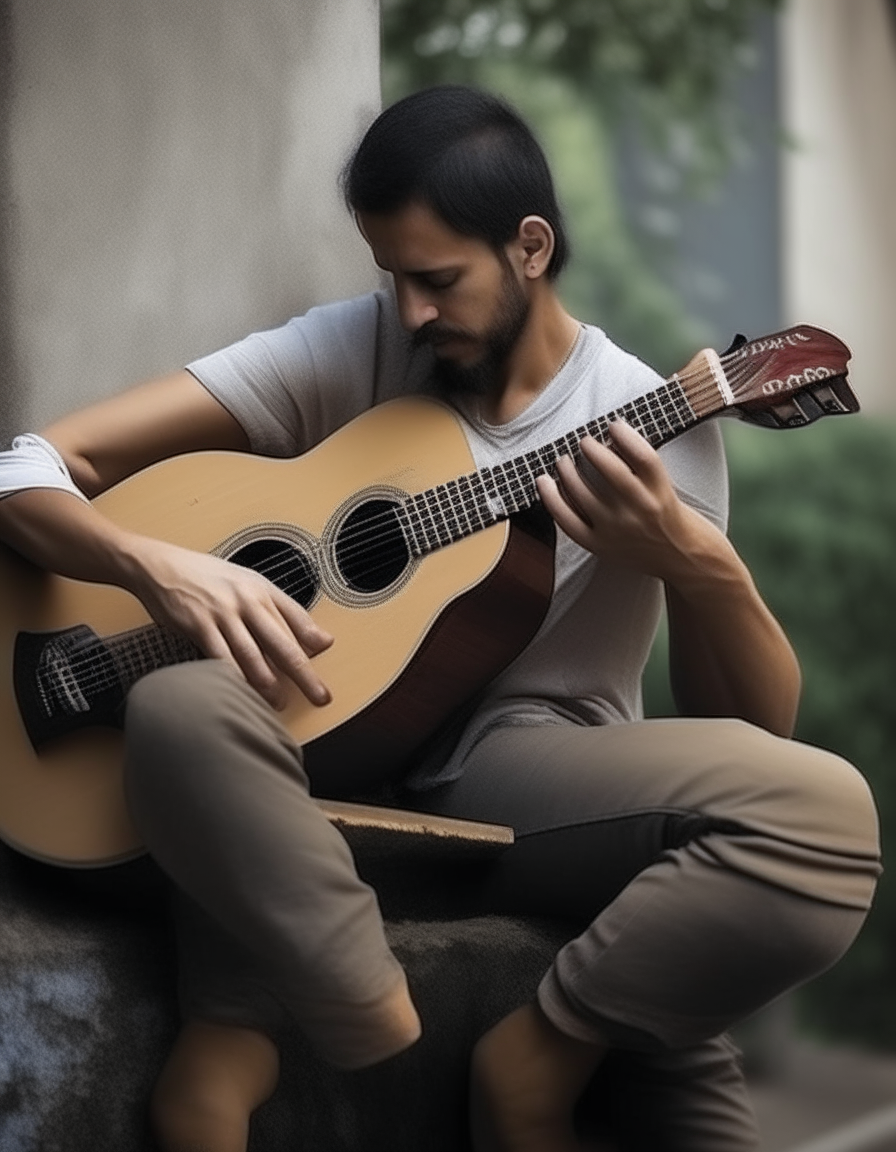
(357, 543)
(137, 663)
(129, 654)
(387, 517)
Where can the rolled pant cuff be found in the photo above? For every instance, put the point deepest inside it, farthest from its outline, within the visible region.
(353, 1036)
(555, 1004)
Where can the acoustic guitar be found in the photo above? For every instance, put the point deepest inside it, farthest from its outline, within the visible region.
(432, 575)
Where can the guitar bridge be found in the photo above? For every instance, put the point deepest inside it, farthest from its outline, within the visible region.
(64, 681)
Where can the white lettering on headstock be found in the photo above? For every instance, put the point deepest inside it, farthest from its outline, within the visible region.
(794, 381)
(771, 344)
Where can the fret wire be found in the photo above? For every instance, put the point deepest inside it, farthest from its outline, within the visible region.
(413, 514)
(472, 504)
(457, 508)
(443, 536)
(419, 528)
(463, 488)
(526, 481)
(511, 485)
(483, 498)
(405, 522)
(446, 511)
(430, 529)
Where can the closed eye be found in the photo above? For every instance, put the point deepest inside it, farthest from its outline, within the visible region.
(436, 280)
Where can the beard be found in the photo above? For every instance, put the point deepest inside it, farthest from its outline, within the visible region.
(481, 376)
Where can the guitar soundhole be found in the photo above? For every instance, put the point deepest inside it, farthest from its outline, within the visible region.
(370, 549)
(283, 564)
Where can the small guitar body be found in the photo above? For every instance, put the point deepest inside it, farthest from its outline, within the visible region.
(431, 576)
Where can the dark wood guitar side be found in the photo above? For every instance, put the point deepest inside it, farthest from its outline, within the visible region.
(472, 640)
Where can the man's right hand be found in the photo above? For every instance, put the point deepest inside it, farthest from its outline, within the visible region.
(231, 613)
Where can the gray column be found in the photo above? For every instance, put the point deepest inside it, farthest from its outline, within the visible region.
(168, 182)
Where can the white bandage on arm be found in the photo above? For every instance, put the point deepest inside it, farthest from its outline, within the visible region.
(33, 462)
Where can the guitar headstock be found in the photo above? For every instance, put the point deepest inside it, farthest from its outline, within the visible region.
(790, 378)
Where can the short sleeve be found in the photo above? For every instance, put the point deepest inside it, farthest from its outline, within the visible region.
(697, 467)
(33, 462)
(292, 386)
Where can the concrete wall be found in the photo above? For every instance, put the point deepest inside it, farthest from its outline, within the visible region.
(168, 177)
(838, 80)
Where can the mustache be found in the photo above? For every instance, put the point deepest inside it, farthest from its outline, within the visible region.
(433, 333)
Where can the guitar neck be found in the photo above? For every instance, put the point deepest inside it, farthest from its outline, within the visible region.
(441, 515)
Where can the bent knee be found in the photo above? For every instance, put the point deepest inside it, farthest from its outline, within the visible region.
(180, 690)
(810, 821)
(183, 722)
(827, 800)
(186, 707)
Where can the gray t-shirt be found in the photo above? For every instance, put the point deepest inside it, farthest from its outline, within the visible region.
(291, 387)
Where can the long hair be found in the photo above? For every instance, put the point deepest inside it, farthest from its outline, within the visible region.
(464, 153)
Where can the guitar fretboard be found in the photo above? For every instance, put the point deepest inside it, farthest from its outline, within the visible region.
(467, 504)
(138, 652)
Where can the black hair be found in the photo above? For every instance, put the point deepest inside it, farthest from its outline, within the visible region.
(464, 153)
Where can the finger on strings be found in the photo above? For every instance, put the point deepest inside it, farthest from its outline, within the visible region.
(563, 514)
(278, 644)
(248, 656)
(629, 485)
(599, 469)
(303, 626)
(575, 491)
(631, 447)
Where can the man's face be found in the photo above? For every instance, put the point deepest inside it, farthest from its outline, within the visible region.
(454, 293)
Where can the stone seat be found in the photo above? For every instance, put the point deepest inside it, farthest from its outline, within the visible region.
(88, 1012)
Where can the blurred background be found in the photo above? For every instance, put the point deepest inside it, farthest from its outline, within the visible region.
(730, 166)
(168, 183)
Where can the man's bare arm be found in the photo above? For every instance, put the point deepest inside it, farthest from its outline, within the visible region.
(107, 441)
(728, 654)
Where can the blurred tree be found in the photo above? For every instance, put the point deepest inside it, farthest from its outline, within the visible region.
(672, 60)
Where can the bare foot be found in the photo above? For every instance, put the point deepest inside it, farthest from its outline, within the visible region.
(526, 1077)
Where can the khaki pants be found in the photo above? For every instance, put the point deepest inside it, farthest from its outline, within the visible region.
(716, 867)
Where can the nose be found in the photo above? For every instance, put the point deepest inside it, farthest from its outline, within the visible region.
(415, 308)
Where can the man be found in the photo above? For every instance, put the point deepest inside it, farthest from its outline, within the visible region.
(718, 863)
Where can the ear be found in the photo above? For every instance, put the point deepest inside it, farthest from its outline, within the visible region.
(534, 246)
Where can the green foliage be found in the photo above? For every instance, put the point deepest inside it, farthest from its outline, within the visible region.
(669, 61)
(814, 515)
(580, 70)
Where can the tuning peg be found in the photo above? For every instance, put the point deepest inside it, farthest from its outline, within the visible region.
(738, 342)
(829, 402)
(795, 412)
